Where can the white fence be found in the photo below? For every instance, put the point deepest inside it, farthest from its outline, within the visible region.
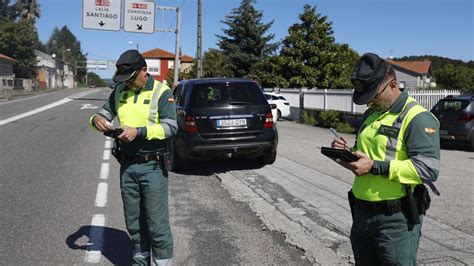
(341, 99)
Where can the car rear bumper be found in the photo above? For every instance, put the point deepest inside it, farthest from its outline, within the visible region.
(460, 133)
(194, 147)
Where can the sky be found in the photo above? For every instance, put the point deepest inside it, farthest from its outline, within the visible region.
(386, 27)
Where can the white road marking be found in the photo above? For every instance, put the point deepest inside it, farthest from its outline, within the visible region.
(88, 106)
(101, 197)
(108, 144)
(104, 171)
(46, 107)
(106, 155)
(35, 111)
(96, 234)
(23, 99)
(96, 238)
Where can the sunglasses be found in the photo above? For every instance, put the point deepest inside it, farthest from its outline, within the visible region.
(132, 78)
(380, 92)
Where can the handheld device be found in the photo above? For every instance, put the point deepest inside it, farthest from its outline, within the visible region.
(344, 155)
(114, 133)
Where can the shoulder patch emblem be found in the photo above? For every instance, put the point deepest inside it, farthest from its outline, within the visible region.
(430, 130)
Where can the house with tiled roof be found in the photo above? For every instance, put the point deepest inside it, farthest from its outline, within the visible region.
(7, 77)
(160, 61)
(412, 74)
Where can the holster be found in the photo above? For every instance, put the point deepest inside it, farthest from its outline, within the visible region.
(166, 162)
(116, 151)
(422, 197)
(410, 207)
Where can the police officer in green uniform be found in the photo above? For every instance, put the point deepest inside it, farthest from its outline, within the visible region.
(146, 112)
(398, 149)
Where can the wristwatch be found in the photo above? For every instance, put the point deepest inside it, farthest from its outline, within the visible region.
(139, 132)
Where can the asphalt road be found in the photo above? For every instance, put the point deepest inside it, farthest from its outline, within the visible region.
(60, 197)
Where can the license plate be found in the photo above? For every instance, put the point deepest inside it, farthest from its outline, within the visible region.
(443, 132)
(231, 123)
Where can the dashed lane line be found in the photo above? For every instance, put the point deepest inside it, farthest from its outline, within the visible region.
(96, 238)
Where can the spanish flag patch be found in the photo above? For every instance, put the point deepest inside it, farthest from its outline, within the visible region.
(430, 130)
(171, 100)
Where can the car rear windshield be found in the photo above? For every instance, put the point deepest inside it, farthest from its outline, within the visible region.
(224, 94)
(451, 105)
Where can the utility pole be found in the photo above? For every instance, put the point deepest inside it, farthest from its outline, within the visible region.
(199, 43)
(176, 50)
(176, 31)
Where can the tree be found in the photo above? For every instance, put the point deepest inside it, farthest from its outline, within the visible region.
(309, 57)
(452, 77)
(244, 43)
(66, 47)
(186, 74)
(28, 9)
(94, 79)
(215, 64)
(7, 10)
(269, 72)
(16, 41)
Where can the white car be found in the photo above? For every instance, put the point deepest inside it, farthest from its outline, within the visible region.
(283, 106)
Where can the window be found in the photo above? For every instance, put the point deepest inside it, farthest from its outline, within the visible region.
(154, 69)
(220, 94)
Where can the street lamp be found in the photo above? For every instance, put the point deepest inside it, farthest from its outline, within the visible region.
(130, 42)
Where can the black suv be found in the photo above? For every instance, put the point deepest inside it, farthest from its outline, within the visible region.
(456, 117)
(223, 117)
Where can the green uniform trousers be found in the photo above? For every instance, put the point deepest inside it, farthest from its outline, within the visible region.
(380, 239)
(144, 189)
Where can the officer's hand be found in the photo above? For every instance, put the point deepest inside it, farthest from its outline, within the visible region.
(339, 143)
(101, 123)
(363, 165)
(128, 134)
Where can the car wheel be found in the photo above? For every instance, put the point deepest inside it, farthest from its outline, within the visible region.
(267, 158)
(278, 114)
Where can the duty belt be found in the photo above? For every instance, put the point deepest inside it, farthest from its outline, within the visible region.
(141, 157)
(386, 206)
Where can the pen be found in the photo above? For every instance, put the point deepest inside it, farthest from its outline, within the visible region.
(334, 132)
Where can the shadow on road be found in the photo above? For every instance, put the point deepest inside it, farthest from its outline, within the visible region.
(116, 246)
(452, 145)
(216, 166)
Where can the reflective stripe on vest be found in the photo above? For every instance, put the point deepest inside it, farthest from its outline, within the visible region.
(391, 147)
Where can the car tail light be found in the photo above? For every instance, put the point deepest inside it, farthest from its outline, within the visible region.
(464, 118)
(273, 106)
(268, 121)
(190, 124)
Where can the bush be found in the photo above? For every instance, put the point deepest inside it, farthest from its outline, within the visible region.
(308, 118)
(329, 118)
(345, 128)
